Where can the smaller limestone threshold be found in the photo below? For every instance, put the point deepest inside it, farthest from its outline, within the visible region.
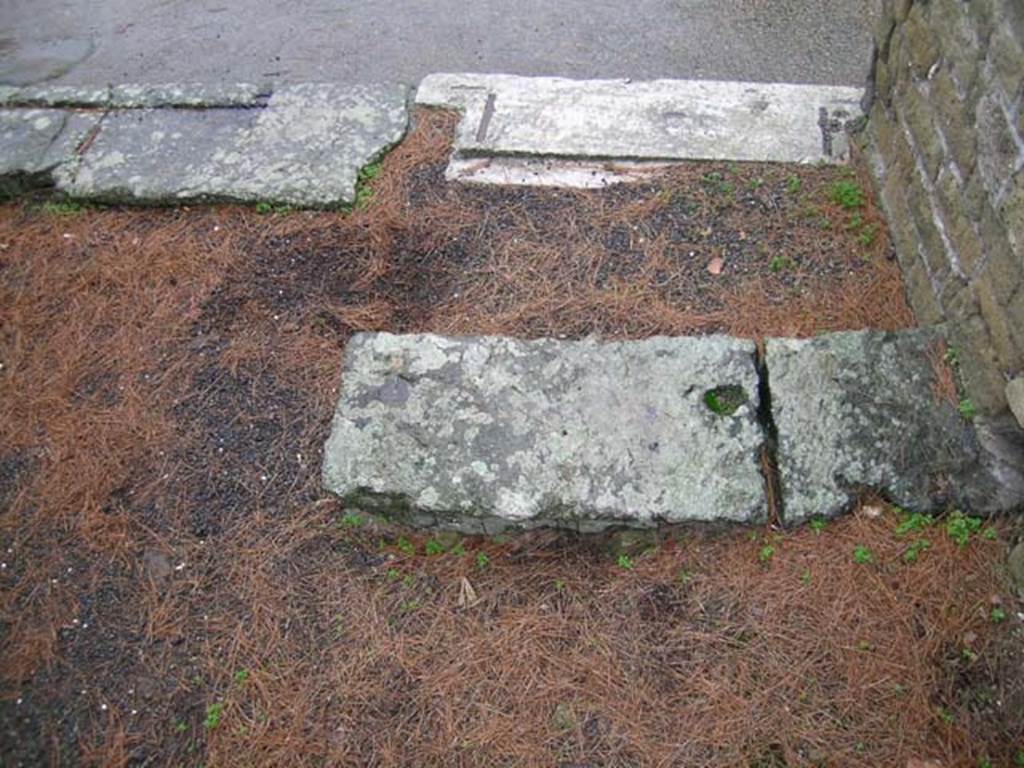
(480, 434)
(509, 123)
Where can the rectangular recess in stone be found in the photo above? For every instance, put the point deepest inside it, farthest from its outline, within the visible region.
(856, 410)
(484, 433)
(645, 120)
(304, 148)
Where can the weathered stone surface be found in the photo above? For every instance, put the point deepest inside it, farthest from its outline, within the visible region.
(507, 115)
(855, 410)
(919, 290)
(1002, 266)
(142, 96)
(1015, 397)
(1002, 446)
(917, 112)
(920, 41)
(56, 96)
(956, 122)
(35, 143)
(206, 95)
(24, 61)
(26, 138)
(982, 380)
(1007, 54)
(997, 147)
(304, 148)
(959, 230)
(995, 319)
(1015, 566)
(956, 40)
(485, 433)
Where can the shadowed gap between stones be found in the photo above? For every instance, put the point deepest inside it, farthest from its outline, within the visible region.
(769, 448)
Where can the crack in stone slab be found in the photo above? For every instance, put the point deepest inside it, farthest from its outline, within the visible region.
(484, 433)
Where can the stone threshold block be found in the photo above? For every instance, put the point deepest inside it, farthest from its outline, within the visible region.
(862, 411)
(484, 433)
(509, 119)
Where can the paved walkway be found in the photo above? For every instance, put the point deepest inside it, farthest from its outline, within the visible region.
(305, 144)
(217, 41)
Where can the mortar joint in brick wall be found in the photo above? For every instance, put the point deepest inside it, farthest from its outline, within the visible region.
(933, 203)
(1010, 112)
(933, 279)
(954, 170)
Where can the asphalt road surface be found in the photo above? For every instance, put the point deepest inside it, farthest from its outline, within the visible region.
(155, 41)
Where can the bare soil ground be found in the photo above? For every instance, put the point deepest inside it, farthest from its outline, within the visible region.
(176, 589)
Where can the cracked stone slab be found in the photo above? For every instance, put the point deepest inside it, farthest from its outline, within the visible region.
(35, 144)
(512, 116)
(304, 148)
(484, 433)
(856, 410)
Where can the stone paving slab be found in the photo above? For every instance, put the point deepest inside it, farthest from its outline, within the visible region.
(507, 115)
(484, 433)
(304, 145)
(305, 148)
(36, 143)
(856, 410)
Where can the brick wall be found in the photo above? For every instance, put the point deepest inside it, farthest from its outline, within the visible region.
(946, 141)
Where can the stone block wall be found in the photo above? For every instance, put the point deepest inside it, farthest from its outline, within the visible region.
(946, 141)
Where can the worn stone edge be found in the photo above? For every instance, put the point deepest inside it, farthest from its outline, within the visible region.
(454, 89)
(137, 96)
